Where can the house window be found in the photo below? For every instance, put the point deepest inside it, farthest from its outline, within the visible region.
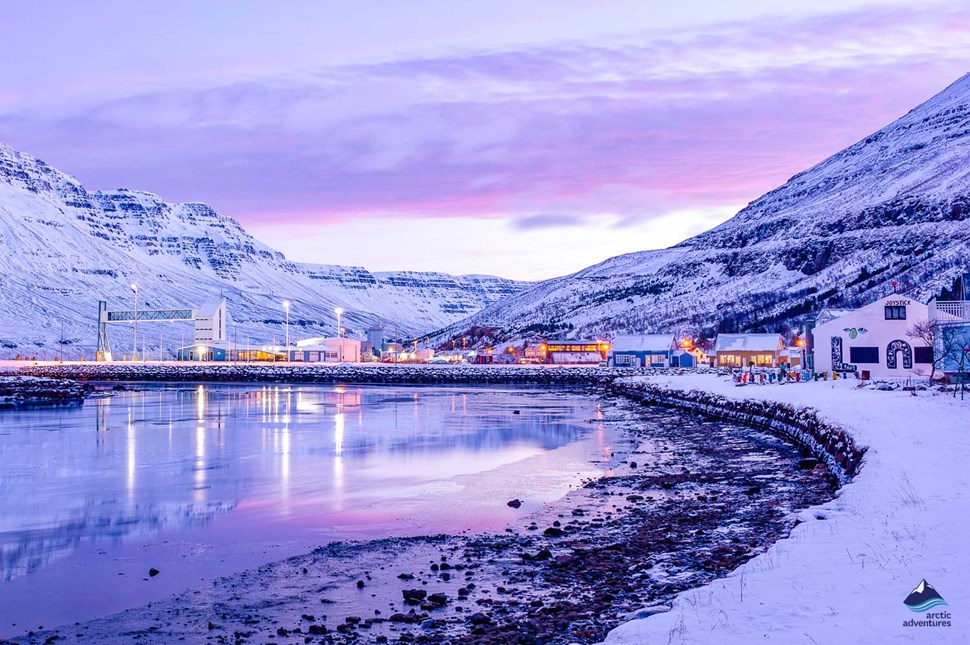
(895, 312)
(923, 355)
(864, 355)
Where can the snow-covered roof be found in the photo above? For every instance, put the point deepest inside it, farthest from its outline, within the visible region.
(748, 343)
(825, 315)
(643, 343)
(309, 343)
(209, 307)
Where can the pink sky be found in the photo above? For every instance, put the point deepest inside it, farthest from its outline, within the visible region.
(373, 136)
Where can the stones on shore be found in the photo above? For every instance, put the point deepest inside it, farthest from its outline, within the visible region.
(153, 572)
(18, 390)
(515, 503)
(478, 618)
(414, 596)
(554, 531)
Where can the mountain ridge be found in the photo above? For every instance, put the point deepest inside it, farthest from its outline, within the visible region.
(65, 247)
(891, 207)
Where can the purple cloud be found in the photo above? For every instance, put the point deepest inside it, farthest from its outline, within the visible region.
(640, 127)
(545, 220)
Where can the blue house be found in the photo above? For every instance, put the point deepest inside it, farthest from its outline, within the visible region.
(201, 353)
(683, 358)
(951, 320)
(646, 350)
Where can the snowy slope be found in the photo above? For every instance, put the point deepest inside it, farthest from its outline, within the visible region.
(843, 574)
(63, 248)
(894, 206)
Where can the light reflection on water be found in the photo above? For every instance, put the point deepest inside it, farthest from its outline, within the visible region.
(262, 462)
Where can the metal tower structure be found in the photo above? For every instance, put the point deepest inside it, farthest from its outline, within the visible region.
(131, 316)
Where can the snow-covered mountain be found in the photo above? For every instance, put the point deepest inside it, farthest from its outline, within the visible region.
(894, 206)
(63, 248)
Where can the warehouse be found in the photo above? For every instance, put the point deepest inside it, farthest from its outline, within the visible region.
(326, 350)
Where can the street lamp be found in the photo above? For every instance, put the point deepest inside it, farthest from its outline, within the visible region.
(134, 333)
(339, 311)
(286, 306)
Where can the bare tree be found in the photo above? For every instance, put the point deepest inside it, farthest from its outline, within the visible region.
(940, 338)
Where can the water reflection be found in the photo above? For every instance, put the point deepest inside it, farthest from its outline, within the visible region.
(183, 458)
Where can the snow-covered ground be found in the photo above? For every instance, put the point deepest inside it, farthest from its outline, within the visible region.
(842, 575)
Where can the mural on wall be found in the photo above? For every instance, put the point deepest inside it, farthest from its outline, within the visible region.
(855, 332)
(837, 364)
(899, 346)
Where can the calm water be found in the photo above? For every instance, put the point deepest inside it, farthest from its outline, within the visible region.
(202, 481)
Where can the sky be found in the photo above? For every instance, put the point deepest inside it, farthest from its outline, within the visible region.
(527, 139)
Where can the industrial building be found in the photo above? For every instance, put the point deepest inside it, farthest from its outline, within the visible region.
(326, 350)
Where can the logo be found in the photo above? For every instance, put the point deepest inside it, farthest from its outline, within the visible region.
(923, 598)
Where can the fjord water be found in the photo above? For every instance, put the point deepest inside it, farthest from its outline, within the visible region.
(199, 481)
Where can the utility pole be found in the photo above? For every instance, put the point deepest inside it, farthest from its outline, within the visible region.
(134, 333)
(286, 305)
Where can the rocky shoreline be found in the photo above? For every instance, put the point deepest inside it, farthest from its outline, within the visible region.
(341, 373)
(21, 391)
(817, 438)
(690, 501)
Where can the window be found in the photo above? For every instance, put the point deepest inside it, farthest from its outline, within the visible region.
(864, 355)
(895, 312)
(923, 355)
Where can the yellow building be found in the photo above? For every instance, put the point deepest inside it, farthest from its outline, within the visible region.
(741, 350)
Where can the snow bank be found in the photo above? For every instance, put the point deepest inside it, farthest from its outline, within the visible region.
(842, 575)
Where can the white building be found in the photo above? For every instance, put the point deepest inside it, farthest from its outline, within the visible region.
(212, 323)
(327, 350)
(873, 341)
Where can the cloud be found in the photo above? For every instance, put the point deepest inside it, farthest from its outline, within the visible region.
(545, 220)
(640, 126)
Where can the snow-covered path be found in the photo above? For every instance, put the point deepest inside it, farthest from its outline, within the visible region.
(843, 574)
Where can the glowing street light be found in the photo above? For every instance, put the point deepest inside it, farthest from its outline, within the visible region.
(286, 306)
(134, 333)
(339, 311)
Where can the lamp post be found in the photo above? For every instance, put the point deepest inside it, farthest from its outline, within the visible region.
(286, 306)
(339, 311)
(134, 333)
